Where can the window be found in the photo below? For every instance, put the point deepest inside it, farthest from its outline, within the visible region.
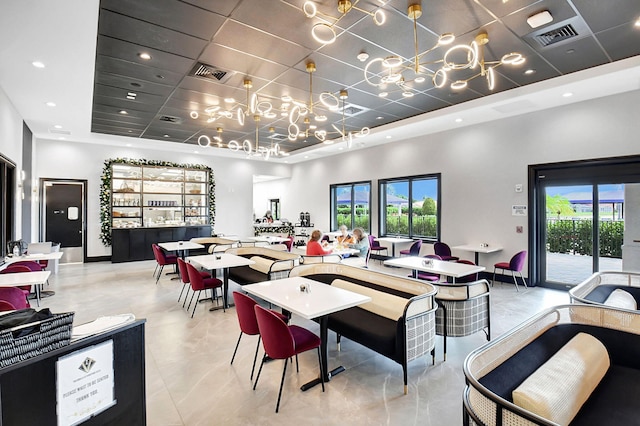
(410, 207)
(350, 205)
(274, 206)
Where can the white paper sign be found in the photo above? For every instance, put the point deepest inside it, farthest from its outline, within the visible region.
(84, 383)
(518, 210)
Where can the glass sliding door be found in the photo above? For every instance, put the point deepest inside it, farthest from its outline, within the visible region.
(611, 226)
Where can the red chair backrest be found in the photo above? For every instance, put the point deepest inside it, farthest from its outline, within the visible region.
(15, 296)
(466, 278)
(160, 255)
(246, 313)
(6, 306)
(182, 270)
(277, 339)
(11, 269)
(195, 279)
(32, 265)
(289, 243)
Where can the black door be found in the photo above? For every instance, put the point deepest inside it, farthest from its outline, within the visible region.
(64, 218)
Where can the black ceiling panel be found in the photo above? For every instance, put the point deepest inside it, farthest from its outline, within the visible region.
(270, 43)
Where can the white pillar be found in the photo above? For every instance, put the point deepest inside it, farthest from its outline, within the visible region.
(631, 248)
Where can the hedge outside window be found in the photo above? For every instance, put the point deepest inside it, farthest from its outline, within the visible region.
(350, 205)
(410, 206)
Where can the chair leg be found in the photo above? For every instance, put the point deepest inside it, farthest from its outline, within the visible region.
(159, 273)
(284, 371)
(185, 297)
(155, 270)
(513, 275)
(494, 276)
(338, 337)
(259, 371)
(182, 291)
(255, 357)
(297, 369)
(523, 281)
(236, 349)
(321, 371)
(196, 304)
(191, 300)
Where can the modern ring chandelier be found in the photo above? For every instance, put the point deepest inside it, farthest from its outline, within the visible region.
(395, 70)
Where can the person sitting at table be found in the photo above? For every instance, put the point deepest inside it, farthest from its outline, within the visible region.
(268, 217)
(344, 238)
(361, 242)
(314, 248)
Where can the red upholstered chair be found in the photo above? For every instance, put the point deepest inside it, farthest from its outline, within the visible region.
(15, 297)
(514, 265)
(198, 283)
(248, 322)
(289, 243)
(414, 250)
(184, 277)
(6, 306)
(22, 266)
(162, 259)
(443, 250)
(427, 276)
(375, 246)
(282, 341)
(467, 278)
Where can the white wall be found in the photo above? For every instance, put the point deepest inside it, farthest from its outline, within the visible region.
(480, 167)
(234, 181)
(11, 148)
(265, 191)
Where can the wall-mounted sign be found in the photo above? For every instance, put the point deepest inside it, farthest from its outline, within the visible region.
(84, 383)
(518, 210)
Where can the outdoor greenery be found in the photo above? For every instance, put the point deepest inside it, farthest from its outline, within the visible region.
(575, 237)
(425, 226)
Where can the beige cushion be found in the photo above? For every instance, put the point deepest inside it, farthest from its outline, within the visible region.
(282, 266)
(558, 388)
(263, 265)
(621, 299)
(450, 292)
(383, 304)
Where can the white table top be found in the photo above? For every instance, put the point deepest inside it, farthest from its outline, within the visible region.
(441, 267)
(180, 245)
(339, 251)
(227, 260)
(57, 255)
(322, 299)
(24, 278)
(269, 239)
(477, 248)
(395, 240)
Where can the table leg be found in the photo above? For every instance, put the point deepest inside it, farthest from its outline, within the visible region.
(225, 291)
(477, 258)
(324, 349)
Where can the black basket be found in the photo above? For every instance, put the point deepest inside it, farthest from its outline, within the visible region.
(47, 335)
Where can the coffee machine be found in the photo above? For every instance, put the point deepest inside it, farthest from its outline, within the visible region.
(305, 219)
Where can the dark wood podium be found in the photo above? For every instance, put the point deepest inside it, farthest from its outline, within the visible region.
(28, 388)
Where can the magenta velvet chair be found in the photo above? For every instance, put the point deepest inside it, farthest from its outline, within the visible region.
(374, 245)
(414, 250)
(6, 306)
(184, 277)
(444, 251)
(248, 322)
(15, 297)
(514, 265)
(282, 341)
(467, 278)
(199, 283)
(162, 259)
(427, 276)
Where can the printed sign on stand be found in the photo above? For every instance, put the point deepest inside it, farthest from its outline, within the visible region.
(84, 383)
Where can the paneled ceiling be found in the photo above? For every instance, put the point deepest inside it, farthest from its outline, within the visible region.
(269, 42)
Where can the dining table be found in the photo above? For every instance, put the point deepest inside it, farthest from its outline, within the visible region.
(311, 300)
(271, 239)
(435, 266)
(223, 261)
(34, 257)
(181, 247)
(477, 249)
(393, 241)
(18, 279)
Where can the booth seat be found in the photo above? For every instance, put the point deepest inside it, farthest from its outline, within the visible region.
(616, 289)
(398, 323)
(269, 264)
(569, 365)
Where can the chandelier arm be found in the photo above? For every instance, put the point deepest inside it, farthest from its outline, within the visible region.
(416, 60)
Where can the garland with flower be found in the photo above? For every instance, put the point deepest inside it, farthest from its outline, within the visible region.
(105, 190)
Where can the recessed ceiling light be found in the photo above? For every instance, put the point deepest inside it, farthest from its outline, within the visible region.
(132, 94)
(362, 56)
(166, 136)
(530, 71)
(637, 24)
(37, 64)
(458, 120)
(306, 156)
(123, 112)
(567, 95)
(407, 94)
(229, 100)
(195, 152)
(379, 117)
(133, 98)
(383, 94)
(419, 79)
(144, 55)
(61, 138)
(286, 98)
(388, 136)
(539, 19)
(160, 76)
(50, 104)
(57, 126)
(340, 148)
(130, 131)
(286, 161)
(129, 143)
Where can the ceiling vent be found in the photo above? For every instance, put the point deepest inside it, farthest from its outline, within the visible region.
(351, 110)
(170, 119)
(210, 72)
(60, 132)
(277, 137)
(556, 35)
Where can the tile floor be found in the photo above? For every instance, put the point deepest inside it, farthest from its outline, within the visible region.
(190, 381)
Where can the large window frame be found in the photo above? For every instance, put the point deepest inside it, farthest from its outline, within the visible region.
(335, 190)
(413, 226)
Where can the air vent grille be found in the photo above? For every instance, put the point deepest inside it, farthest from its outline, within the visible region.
(556, 35)
(170, 119)
(210, 72)
(60, 132)
(277, 137)
(351, 110)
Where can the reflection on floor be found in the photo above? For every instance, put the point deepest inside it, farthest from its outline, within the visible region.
(190, 381)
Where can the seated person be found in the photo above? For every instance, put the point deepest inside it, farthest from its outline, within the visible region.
(268, 217)
(361, 242)
(314, 248)
(345, 238)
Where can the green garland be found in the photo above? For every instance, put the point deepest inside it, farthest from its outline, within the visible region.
(105, 191)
